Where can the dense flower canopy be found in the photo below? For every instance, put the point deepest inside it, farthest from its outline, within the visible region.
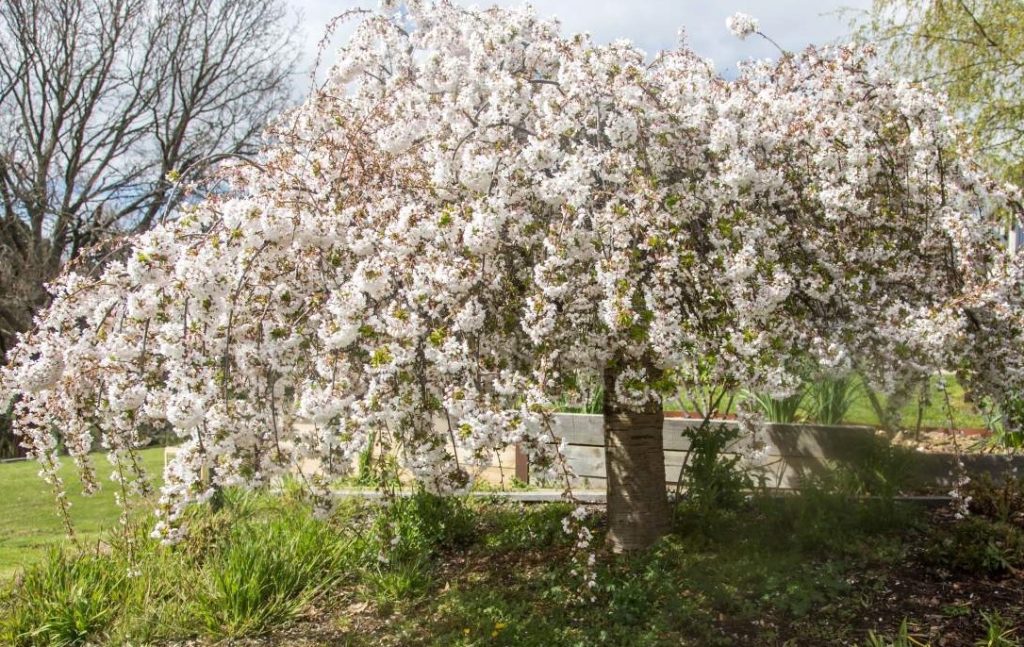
(475, 211)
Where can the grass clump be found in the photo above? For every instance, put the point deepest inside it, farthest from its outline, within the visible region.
(267, 572)
(506, 526)
(64, 601)
(252, 566)
(781, 410)
(832, 397)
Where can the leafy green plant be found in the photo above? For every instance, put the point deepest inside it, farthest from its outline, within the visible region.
(709, 400)
(997, 632)
(825, 519)
(583, 394)
(781, 410)
(420, 524)
(377, 466)
(1002, 501)
(364, 464)
(1005, 421)
(879, 469)
(844, 499)
(711, 477)
(977, 545)
(832, 397)
(404, 536)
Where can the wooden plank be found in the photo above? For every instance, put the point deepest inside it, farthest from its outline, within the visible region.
(828, 442)
(493, 475)
(594, 467)
(775, 476)
(583, 452)
(937, 470)
(591, 483)
(590, 461)
(788, 473)
(797, 453)
(579, 429)
(522, 467)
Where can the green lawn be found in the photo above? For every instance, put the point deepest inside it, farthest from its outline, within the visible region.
(965, 415)
(934, 413)
(29, 519)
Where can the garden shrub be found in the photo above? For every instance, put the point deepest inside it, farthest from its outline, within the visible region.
(1003, 501)
(403, 537)
(977, 545)
(421, 524)
(712, 477)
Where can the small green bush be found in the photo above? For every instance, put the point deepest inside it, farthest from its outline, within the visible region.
(712, 478)
(402, 539)
(1003, 501)
(420, 525)
(879, 470)
(977, 545)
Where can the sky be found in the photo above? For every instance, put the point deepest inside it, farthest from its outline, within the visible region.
(652, 25)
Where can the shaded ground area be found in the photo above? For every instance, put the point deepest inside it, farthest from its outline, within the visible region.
(724, 584)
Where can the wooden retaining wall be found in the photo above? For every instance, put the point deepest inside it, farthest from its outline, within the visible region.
(796, 453)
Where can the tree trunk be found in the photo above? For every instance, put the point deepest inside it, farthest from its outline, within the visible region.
(638, 511)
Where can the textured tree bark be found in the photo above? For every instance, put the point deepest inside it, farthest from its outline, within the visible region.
(638, 511)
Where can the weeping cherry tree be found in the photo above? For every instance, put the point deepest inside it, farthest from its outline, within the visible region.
(474, 211)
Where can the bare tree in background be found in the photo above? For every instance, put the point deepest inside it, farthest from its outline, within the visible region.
(102, 101)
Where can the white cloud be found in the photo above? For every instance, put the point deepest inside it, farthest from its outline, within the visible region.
(653, 25)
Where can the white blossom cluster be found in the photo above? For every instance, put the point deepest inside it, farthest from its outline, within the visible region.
(742, 24)
(476, 209)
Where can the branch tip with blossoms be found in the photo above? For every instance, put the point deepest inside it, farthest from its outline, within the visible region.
(743, 25)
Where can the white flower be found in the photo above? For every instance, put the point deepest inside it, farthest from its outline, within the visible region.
(741, 24)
